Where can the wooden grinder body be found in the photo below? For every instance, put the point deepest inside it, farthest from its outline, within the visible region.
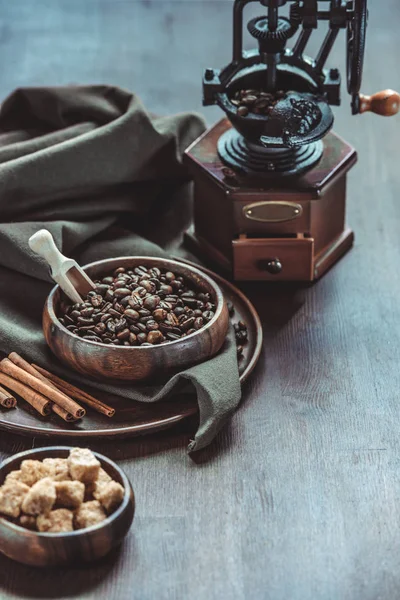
(287, 229)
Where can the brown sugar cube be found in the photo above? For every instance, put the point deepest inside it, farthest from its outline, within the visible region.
(88, 514)
(28, 522)
(109, 495)
(70, 494)
(11, 498)
(40, 498)
(32, 471)
(57, 468)
(56, 521)
(14, 476)
(83, 465)
(102, 479)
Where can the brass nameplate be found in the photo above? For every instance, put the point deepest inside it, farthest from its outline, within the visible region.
(272, 212)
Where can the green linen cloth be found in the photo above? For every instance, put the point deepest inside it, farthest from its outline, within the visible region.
(105, 177)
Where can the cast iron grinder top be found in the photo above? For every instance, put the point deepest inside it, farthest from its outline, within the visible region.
(302, 115)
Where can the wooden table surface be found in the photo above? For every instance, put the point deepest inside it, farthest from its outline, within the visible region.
(298, 498)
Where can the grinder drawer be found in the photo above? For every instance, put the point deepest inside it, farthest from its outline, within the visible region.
(273, 259)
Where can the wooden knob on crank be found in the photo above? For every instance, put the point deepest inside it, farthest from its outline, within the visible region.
(385, 103)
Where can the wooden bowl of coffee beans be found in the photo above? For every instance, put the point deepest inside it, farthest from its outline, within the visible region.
(147, 318)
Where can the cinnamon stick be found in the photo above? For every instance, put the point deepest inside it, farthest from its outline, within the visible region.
(20, 362)
(76, 393)
(39, 402)
(6, 399)
(64, 414)
(9, 368)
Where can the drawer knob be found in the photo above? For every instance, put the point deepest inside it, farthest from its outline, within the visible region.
(273, 266)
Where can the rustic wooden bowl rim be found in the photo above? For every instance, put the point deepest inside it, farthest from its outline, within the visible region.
(125, 502)
(219, 297)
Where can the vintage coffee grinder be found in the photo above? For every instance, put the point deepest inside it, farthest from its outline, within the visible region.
(270, 179)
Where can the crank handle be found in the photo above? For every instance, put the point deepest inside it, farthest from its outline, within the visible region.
(385, 103)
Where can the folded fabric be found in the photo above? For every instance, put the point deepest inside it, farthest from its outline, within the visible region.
(92, 166)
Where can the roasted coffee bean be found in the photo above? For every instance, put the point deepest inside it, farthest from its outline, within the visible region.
(171, 319)
(134, 329)
(111, 326)
(83, 321)
(155, 337)
(187, 323)
(179, 310)
(239, 350)
(209, 306)
(141, 337)
(92, 338)
(123, 335)
(122, 292)
(106, 307)
(109, 295)
(165, 305)
(75, 314)
(68, 320)
(148, 285)
(105, 317)
(151, 302)
(155, 272)
(131, 314)
(100, 328)
(198, 323)
(197, 312)
(140, 270)
(165, 327)
(169, 276)
(242, 325)
(143, 312)
(124, 302)
(135, 302)
(145, 319)
(97, 316)
(172, 336)
(141, 326)
(208, 315)
(108, 280)
(96, 300)
(159, 314)
(106, 340)
(102, 289)
(176, 285)
(118, 271)
(243, 111)
(114, 313)
(87, 312)
(152, 325)
(192, 302)
(165, 289)
(241, 336)
(71, 328)
(133, 339)
(120, 324)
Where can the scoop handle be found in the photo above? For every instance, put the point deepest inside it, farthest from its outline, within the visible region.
(43, 244)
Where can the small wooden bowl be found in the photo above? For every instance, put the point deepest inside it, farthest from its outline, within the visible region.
(51, 549)
(137, 363)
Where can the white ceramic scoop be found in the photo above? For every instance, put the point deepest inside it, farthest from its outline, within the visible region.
(65, 271)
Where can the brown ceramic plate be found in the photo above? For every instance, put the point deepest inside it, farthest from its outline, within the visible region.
(136, 418)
